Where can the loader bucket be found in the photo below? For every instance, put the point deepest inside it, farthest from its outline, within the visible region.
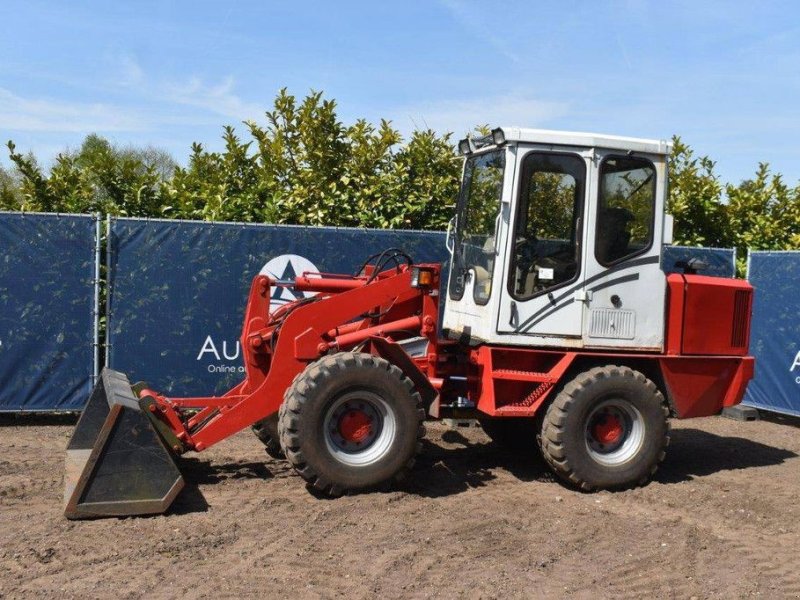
(117, 464)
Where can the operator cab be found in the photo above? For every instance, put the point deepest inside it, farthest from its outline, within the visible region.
(557, 241)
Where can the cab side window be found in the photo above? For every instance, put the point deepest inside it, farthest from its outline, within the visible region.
(546, 250)
(626, 208)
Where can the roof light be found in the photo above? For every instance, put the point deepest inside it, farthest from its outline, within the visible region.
(466, 146)
(498, 137)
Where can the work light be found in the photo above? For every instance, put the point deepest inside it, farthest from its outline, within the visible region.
(421, 277)
(498, 137)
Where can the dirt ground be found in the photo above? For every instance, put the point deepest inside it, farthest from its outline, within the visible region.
(721, 520)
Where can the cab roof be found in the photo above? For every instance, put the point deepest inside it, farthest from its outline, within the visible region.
(590, 140)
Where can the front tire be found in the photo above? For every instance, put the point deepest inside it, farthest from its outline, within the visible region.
(266, 431)
(351, 422)
(606, 429)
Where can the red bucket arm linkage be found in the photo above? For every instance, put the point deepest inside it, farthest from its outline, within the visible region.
(276, 347)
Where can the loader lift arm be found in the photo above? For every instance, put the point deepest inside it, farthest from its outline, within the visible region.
(347, 312)
(308, 331)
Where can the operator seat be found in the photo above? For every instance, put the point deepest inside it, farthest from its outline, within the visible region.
(613, 235)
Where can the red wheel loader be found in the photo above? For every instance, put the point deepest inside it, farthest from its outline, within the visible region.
(560, 329)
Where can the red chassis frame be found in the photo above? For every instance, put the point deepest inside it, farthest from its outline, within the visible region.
(370, 310)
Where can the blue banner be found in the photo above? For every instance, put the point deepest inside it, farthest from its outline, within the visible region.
(47, 300)
(719, 262)
(775, 333)
(178, 290)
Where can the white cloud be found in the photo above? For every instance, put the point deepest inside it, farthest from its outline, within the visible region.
(219, 98)
(130, 73)
(131, 105)
(479, 26)
(36, 114)
(133, 101)
(460, 116)
(214, 98)
(158, 103)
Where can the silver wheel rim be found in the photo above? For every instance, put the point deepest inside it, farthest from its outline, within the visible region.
(614, 432)
(359, 428)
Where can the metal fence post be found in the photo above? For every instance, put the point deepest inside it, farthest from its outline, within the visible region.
(108, 289)
(96, 308)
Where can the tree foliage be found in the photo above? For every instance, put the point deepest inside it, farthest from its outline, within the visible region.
(695, 199)
(10, 193)
(302, 165)
(556, 191)
(98, 177)
(760, 213)
(763, 213)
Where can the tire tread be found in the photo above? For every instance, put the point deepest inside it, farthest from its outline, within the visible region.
(298, 396)
(553, 432)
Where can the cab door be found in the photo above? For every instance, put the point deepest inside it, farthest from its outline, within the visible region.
(625, 288)
(544, 263)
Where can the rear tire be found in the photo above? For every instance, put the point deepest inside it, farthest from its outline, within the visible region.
(351, 422)
(266, 431)
(606, 429)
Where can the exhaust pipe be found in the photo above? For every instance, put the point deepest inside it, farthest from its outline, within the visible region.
(117, 463)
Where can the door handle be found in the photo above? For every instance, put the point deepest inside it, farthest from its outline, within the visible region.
(449, 242)
(513, 321)
(496, 236)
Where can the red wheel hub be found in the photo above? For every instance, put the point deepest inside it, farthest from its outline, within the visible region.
(355, 426)
(608, 429)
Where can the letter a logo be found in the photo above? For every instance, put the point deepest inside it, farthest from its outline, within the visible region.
(796, 363)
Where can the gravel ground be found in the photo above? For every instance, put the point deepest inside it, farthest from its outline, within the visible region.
(719, 521)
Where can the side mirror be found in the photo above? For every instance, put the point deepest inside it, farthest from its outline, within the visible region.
(669, 224)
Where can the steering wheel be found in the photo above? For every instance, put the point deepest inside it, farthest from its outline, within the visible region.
(525, 250)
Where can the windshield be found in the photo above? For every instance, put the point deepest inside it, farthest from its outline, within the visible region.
(476, 220)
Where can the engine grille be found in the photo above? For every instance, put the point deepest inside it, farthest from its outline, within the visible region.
(741, 313)
(612, 323)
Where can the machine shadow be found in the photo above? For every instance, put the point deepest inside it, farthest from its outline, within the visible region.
(190, 500)
(692, 453)
(441, 471)
(455, 465)
(12, 419)
(695, 453)
(198, 472)
(780, 419)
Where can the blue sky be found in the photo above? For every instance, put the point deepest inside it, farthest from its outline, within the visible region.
(724, 75)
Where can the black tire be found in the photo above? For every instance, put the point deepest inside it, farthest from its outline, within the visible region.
(351, 387)
(517, 434)
(266, 431)
(608, 428)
